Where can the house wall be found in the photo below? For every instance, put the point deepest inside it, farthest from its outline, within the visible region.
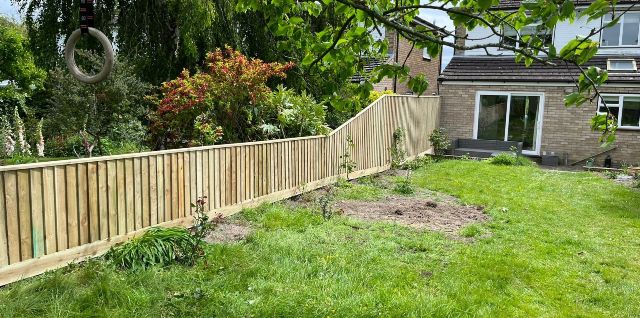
(563, 33)
(415, 61)
(564, 129)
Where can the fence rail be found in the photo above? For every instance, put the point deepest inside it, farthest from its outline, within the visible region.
(57, 212)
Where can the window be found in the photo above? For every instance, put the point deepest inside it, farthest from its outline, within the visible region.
(625, 108)
(624, 33)
(621, 65)
(509, 116)
(511, 35)
(425, 54)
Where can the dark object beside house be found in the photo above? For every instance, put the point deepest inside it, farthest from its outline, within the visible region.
(481, 148)
(550, 160)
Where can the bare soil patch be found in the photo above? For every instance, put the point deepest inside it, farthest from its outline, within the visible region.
(444, 215)
(229, 231)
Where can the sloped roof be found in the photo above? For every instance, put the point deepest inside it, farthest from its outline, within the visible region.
(499, 69)
(370, 64)
(514, 4)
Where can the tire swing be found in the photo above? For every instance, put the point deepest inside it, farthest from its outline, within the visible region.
(86, 27)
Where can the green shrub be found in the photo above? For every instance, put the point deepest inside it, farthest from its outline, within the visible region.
(297, 114)
(510, 159)
(404, 187)
(439, 141)
(157, 246)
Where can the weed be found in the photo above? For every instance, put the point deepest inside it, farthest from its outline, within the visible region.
(347, 164)
(610, 174)
(398, 153)
(625, 168)
(202, 224)
(326, 202)
(510, 159)
(472, 230)
(404, 187)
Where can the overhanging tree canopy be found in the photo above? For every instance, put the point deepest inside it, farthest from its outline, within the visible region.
(334, 49)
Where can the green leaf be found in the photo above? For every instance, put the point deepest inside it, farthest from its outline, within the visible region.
(418, 84)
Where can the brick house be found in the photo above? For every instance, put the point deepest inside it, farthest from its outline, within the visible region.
(417, 60)
(492, 97)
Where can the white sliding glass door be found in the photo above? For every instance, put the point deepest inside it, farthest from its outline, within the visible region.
(510, 116)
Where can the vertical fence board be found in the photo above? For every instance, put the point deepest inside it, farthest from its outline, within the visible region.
(103, 200)
(137, 193)
(37, 217)
(13, 221)
(62, 233)
(112, 194)
(83, 202)
(153, 191)
(168, 187)
(73, 231)
(24, 214)
(122, 188)
(145, 192)
(4, 241)
(92, 194)
(130, 212)
(48, 192)
(160, 188)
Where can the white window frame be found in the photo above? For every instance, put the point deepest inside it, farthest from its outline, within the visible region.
(620, 106)
(538, 141)
(425, 54)
(633, 61)
(621, 22)
(519, 35)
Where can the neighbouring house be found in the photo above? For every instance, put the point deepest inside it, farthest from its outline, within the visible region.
(492, 97)
(401, 51)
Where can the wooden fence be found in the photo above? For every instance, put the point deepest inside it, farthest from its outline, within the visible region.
(58, 212)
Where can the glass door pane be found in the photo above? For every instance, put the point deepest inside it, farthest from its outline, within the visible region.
(492, 117)
(631, 112)
(522, 120)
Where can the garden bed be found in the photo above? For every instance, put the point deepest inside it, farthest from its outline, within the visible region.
(446, 216)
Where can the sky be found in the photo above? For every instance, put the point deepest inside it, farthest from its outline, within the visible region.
(10, 10)
(440, 18)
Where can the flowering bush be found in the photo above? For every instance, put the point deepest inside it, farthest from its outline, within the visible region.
(224, 102)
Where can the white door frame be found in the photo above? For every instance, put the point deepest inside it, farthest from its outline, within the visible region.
(539, 116)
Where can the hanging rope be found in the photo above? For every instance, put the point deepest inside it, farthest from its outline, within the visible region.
(86, 27)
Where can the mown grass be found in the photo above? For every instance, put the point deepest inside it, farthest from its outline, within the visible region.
(559, 244)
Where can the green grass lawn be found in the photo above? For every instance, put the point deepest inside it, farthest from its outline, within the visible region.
(558, 245)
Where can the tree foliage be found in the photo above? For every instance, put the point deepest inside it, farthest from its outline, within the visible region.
(19, 76)
(173, 34)
(108, 114)
(226, 101)
(338, 49)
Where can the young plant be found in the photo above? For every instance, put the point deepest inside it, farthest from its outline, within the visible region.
(347, 164)
(202, 225)
(326, 203)
(398, 153)
(404, 186)
(439, 141)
